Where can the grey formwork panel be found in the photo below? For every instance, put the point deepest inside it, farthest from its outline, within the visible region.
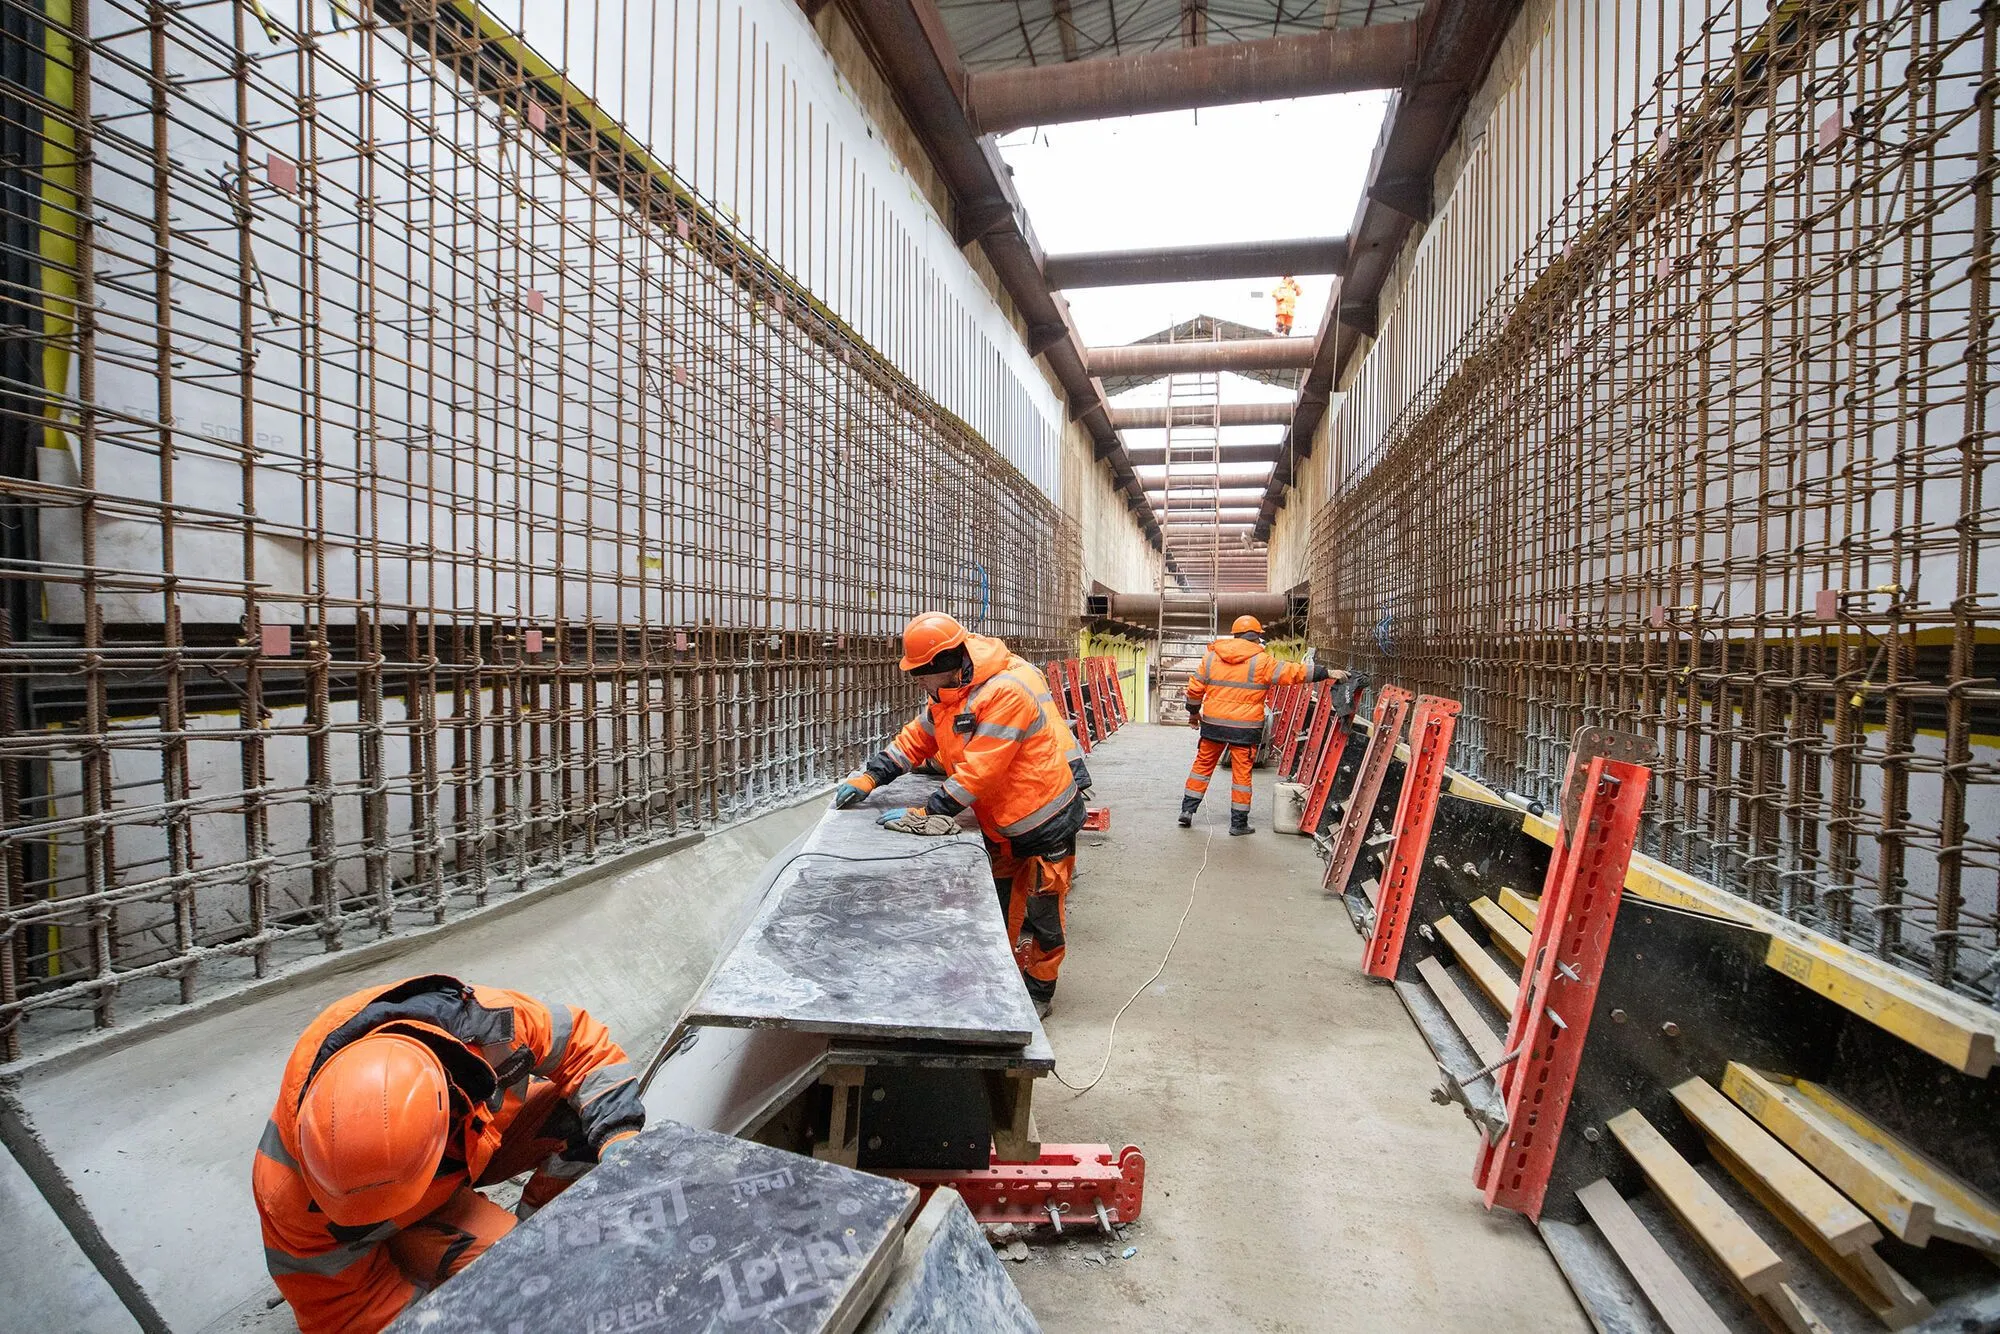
(873, 934)
(685, 1230)
(1037, 1057)
(947, 1280)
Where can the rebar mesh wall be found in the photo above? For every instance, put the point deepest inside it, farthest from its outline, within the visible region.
(1681, 426)
(412, 489)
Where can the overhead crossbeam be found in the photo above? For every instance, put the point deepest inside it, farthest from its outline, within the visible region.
(1240, 354)
(1197, 263)
(1233, 414)
(1337, 60)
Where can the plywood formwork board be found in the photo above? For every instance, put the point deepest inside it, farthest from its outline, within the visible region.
(1521, 909)
(1962, 1213)
(1837, 1233)
(1486, 1044)
(1746, 1257)
(1499, 986)
(1674, 1299)
(1829, 1214)
(1508, 935)
(1863, 1171)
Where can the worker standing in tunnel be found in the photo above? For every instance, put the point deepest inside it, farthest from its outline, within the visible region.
(1225, 699)
(399, 1100)
(1286, 294)
(990, 721)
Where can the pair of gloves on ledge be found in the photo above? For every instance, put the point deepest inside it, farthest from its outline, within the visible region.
(909, 820)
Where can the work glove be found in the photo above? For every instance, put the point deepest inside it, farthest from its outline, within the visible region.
(1320, 672)
(917, 820)
(852, 791)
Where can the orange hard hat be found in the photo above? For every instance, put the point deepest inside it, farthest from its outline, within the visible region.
(372, 1128)
(927, 635)
(1246, 624)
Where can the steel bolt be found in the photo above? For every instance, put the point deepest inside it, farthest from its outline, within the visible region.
(1592, 1134)
(1671, 1029)
(1618, 1016)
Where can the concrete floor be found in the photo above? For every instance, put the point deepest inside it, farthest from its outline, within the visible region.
(1298, 1175)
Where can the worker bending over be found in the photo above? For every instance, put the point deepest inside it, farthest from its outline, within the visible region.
(1225, 699)
(397, 1102)
(1286, 294)
(992, 725)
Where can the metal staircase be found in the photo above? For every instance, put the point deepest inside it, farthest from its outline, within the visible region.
(1191, 509)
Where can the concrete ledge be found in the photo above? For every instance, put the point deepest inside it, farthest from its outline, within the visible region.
(101, 1042)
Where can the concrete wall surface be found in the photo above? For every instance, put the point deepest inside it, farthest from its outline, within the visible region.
(158, 1136)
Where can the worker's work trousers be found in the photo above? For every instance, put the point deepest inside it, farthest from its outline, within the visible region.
(1242, 759)
(1034, 894)
(458, 1232)
(1284, 322)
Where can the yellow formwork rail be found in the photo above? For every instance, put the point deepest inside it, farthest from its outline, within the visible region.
(1131, 657)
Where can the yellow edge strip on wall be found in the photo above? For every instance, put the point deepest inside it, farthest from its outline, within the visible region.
(1919, 1012)
(59, 206)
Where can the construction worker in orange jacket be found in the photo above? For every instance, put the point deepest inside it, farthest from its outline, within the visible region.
(1007, 754)
(397, 1101)
(1225, 699)
(1286, 294)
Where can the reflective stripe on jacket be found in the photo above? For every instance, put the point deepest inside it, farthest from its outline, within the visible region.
(491, 1042)
(1004, 749)
(1230, 686)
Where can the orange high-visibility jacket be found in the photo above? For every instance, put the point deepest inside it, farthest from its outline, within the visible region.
(491, 1042)
(1004, 749)
(1229, 689)
(1287, 295)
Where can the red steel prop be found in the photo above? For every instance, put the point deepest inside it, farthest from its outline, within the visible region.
(1430, 740)
(1579, 905)
(1391, 705)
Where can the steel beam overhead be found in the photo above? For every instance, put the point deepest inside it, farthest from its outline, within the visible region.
(1197, 263)
(1460, 39)
(1233, 414)
(1338, 60)
(1242, 354)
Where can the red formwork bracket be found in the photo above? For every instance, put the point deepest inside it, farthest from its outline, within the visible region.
(1431, 727)
(1551, 1021)
(1072, 1179)
(1052, 673)
(1110, 698)
(1291, 723)
(1117, 685)
(1392, 704)
(1338, 706)
(1093, 688)
(1073, 680)
(1315, 735)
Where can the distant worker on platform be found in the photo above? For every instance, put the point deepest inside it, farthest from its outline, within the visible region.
(1225, 699)
(990, 722)
(397, 1102)
(1286, 293)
